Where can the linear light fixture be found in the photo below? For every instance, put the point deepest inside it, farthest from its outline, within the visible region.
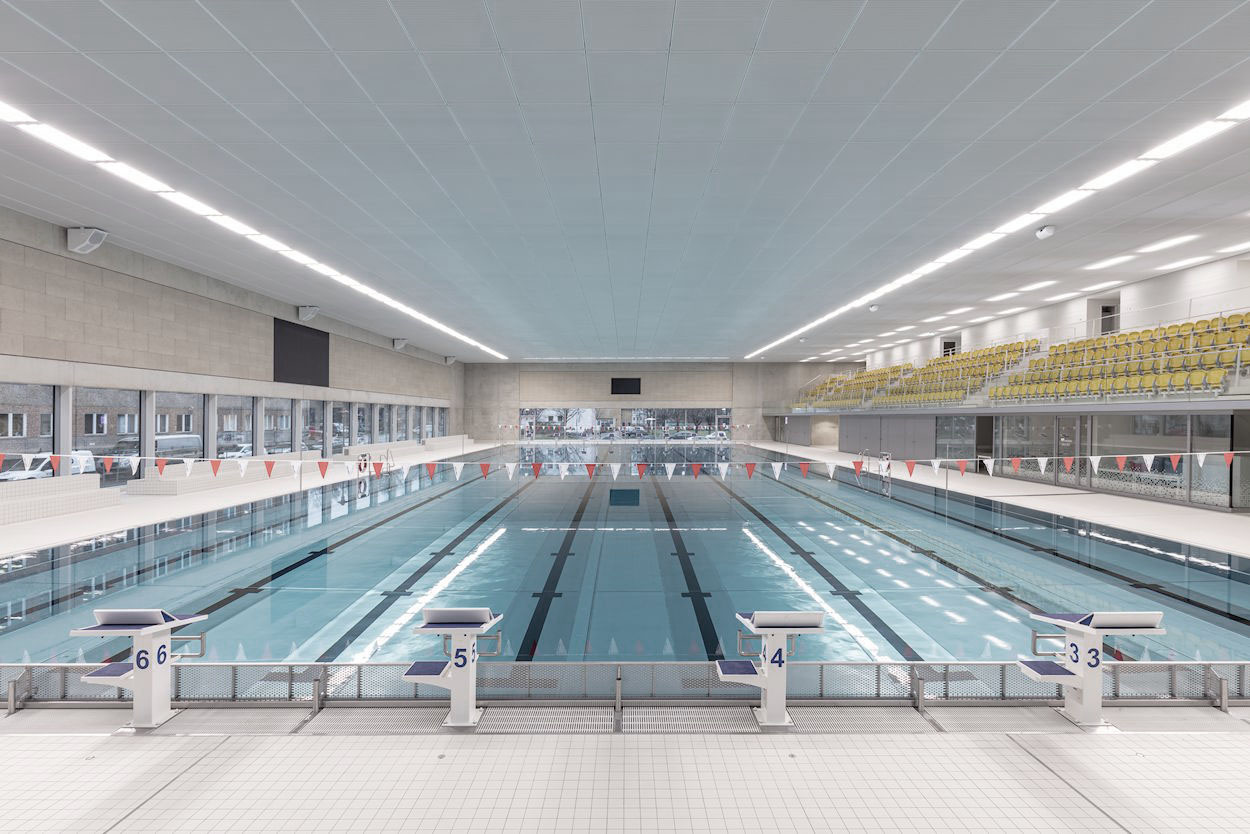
(906, 327)
(980, 319)
(1063, 296)
(1037, 285)
(1240, 247)
(1185, 262)
(1170, 147)
(1103, 264)
(948, 327)
(958, 311)
(1103, 286)
(1012, 311)
(1002, 296)
(75, 147)
(1159, 246)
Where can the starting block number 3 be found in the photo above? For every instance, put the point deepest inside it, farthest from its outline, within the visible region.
(143, 660)
(1095, 656)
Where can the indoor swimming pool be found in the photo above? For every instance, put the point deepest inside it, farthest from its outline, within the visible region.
(624, 568)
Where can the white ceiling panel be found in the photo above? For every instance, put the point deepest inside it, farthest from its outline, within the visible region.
(616, 177)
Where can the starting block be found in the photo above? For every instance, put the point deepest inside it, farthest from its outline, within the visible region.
(461, 628)
(1080, 673)
(146, 674)
(778, 633)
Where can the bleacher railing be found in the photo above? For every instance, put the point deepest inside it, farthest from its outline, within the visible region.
(205, 684)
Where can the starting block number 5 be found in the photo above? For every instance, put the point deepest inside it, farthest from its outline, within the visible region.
(142, 659)
(462, 657)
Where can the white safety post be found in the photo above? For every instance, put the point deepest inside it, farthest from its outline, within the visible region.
(148, 672)
(1081, 663)
(461, 628)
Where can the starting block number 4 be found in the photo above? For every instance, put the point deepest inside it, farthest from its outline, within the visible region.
(143, 659)
(778, 659)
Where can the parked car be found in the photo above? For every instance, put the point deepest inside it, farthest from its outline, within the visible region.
(682, 435)
(716, 436)
(81, 461)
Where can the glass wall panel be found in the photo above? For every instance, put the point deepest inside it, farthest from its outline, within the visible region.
(1130, 436)
(364, 423)
(1066, 437)
(25, 428)
(1209, 484)
(401, 422)
(428, 430)
(418, 423)
(384, 414)
(1026, 436)
(340, 427)
(234, 427)
(179, 423)
(106, 424)
(442, 422)
(277, 426)
(956, 437)
(314, 415)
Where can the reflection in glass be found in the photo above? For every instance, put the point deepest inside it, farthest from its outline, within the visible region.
(106, 424)
(234, 427)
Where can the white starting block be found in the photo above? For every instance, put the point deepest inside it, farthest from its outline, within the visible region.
(1080, 673)
(778, 632)
(146, 674)
(461, 627)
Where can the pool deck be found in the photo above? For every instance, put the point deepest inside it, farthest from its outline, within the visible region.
(1214, 529)
(863, 769)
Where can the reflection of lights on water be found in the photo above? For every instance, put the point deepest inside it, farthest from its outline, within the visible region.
(1145, 548)
(1006, 616)
(944, 583)
(884, 573)
(927, 600)
(923, 572)
(977, 600)
(957, 618)
(856, 633)
(441, 585)
(901, 583)
(1002, 644)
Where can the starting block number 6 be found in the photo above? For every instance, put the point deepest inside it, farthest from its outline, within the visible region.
(142, 660)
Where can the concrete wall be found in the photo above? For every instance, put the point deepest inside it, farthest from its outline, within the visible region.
(1208, 289)
(495, 393)
(116, 318)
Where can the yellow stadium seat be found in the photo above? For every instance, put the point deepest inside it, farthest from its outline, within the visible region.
(1178, 380)
(1133, 385)
(1173, 330)
(1234, 321)
(1215, 378)
(1202, 325)
(1147, 383)
(1191, 360)
(1227, 358)
(1208, 359)
(1082, 387)
(1186, 328)
(1119, 385)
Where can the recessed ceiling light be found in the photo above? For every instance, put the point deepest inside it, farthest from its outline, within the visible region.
(1011, 311)
(133, 176)
(1104, 285)
(933, 318)
(12, 115)
(1185, 262)
(886, 333)
(958, 310)
(905, 328)
(268, 242)
(948, 327)
(980, 319)
(65, 142)
(1241, 111)
(1018, 223)
(1103, 264)
(835, 359)
(808, 359)
(1064, 200)
(1063, 296)
(299, 257)
(1186, 140)
(1159, 246)
(1002, 296)
(327, 271)
(1037, 285)
(1120, 172)
(187, 202)
(1240, 247)
(952, 256)
(228, 222)
(926, 335)
(982, 241)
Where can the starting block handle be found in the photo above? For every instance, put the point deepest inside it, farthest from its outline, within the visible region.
(1035, 637)
(792, 644)
(187, 638)
(498, 650)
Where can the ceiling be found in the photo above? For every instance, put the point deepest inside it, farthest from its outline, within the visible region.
(620, 178)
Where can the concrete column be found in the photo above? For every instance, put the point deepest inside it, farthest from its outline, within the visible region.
(147, 430)
(210, 425)
(258, 425)
(62, 426)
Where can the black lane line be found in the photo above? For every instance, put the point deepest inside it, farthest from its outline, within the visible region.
(698, 596)
(999, 589)
(259, 585)
(892, 637)
(529, 643)
(389, 598)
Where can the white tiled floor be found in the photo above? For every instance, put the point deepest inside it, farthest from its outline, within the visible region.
(991, 781)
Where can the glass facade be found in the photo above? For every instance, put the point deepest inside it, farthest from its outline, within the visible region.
(956, 437)
(106, 424)
(442, 422)
(25, 428)
(384, 414)
(179, 423)
(364, 424)
(340, 427)
(314, 425)
(277, 426)
(625, 423)
(401, 422)
(234, 427)
(1026, 436)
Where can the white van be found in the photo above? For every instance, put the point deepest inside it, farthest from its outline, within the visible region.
(80, 462)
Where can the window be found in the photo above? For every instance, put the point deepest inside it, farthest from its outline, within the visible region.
(234, 426)
(277, 423)
(185, 423)
(162, 424)
(95, 422)
(127, 424)
(45, 424)
(12, 424)
(314, 425)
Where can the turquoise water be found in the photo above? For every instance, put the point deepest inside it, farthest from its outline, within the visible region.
(631, 568)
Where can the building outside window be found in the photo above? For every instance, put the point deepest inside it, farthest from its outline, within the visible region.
(314, 425)
(12, 424)
(401, 422)
(442, 422)
(383, 434)
(103, 437)
(45, 425)
(340, 427)
(177, 418)
(234, 427)
(364, 423)
(277, 426)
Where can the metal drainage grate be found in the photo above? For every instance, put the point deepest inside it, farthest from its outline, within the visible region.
(376, 721)
(692, 719)
(859, 720)
(233, 722)
(1001, 720)
(546, 720)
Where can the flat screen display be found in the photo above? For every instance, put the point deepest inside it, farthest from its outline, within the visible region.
(300, 354)
(626, 385)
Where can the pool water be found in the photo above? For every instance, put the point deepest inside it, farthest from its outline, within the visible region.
(625, 568)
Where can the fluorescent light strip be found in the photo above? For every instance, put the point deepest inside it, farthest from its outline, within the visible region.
(1198, 133)
(980, 319)
(1002, 296)
(1159, 246)
(1037, 286)
(1104, 285)
(948, 327)
(1063, 296)
(1185, 262)
(905, 328)
(1103, 264)
(1011, 311)
(77, 148)
(959, 311)
(933, 318)
(1240, 247)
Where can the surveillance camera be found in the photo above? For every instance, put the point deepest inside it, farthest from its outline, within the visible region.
(802, 339)
(1044, 232)
(872, 308)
